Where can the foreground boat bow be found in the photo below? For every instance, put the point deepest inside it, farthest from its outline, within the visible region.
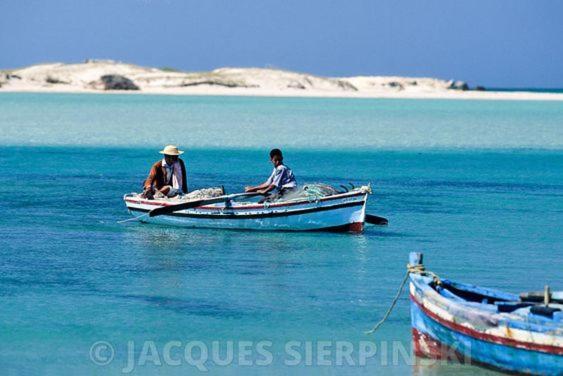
(456, 321)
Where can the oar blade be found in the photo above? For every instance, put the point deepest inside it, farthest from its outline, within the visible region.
(173, 208)
(376, 220)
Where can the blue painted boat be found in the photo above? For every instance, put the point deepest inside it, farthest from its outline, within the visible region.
(481, 326)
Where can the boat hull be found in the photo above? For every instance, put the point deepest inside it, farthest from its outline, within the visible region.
(343, 213)
(442, 330)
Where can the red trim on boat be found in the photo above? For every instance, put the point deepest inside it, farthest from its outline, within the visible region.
(428, 347)
(335, 197)
(488, 337)
(357, 227)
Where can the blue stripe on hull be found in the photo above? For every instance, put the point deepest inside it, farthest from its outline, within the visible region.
(495, 355)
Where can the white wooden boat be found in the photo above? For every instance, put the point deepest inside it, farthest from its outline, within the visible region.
(337, 212)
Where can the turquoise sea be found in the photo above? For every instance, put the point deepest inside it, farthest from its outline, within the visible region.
(477, 186)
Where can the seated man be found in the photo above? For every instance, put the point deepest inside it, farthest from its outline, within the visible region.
(167, 176)
(279, 183)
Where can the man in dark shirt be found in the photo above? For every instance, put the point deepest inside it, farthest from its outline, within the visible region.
(167, 176)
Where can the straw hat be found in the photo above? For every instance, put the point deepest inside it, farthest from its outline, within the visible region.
(171, 150)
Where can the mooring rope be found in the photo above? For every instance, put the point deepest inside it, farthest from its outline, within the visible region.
(418, 269)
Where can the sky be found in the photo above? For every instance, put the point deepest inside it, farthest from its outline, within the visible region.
(508, 43)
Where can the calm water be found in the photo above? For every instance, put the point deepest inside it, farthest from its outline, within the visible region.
(476, 186)
(243, 122)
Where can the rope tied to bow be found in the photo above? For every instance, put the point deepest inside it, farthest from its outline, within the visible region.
(411, 269)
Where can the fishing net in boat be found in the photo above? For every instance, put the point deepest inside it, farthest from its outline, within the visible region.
(198, 194)
(203, 193)
(311, 191)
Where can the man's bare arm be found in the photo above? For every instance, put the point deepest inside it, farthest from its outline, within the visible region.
(257, 188)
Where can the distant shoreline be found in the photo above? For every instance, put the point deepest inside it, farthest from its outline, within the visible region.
(527, 90)
(471, 95)
(110, 77)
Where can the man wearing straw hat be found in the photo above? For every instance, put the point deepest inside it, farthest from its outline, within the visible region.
(167, 176)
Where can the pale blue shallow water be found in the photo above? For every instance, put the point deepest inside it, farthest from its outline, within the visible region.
(476, 186)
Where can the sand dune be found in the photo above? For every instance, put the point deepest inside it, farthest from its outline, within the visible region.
(103, 76)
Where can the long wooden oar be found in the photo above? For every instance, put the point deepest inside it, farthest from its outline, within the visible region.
(375, 220)
(194, 204)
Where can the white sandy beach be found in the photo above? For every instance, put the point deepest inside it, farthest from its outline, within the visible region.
(106, 76)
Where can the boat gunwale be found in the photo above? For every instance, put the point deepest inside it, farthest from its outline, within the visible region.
(129, 199)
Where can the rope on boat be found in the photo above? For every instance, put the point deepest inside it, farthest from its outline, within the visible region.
(134, 218)
(416, 269)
